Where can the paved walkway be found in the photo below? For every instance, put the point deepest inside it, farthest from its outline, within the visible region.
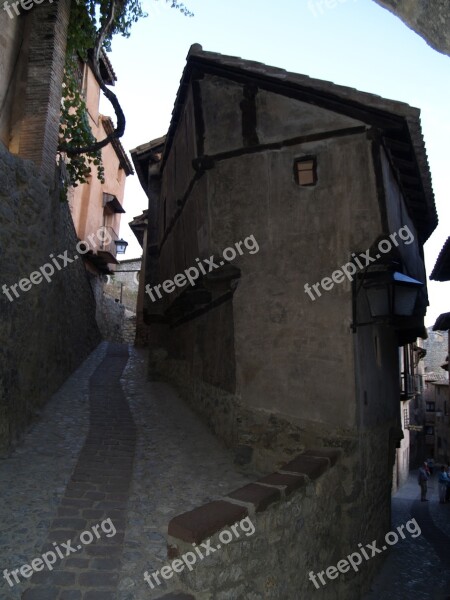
(87, 497)
(92, 509)
(417, 567)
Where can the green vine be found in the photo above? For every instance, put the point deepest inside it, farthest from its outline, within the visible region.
(86, 19)
(75, 129)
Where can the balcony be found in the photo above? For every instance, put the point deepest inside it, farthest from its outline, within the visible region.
(107, 249)
(105, 253)
(407, 387)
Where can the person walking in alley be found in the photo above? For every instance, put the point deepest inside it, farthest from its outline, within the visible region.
(444, 484)
(422, 481)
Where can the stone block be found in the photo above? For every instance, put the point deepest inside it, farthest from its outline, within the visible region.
(261, 497)
(311, 466)
(289, 482)
(333, 454)
(200, 523)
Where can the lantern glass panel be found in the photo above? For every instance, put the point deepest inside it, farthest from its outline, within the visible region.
(405, 300)
(378, 297)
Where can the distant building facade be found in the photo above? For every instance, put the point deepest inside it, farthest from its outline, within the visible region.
(410, 452)
(442, 422)
(123, 284)
(436, 346)
(441, 389)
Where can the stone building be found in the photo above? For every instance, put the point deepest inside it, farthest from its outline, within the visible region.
(47, 312)
(270, 181)
(97, 207)
(433, 383)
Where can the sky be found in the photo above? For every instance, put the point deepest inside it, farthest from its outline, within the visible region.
(350, 42)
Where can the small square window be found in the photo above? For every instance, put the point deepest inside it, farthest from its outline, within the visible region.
(305, 171)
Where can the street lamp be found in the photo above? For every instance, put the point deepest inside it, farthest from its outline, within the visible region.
(121, 246)
(390, 294)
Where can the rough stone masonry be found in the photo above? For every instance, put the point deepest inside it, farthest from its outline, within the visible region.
(47, 332)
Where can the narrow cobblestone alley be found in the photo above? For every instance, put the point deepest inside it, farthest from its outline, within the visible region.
(113, 456)
(418, 567)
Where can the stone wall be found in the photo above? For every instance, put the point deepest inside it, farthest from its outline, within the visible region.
(11, 50)
(110, 315)
(270, 346)
(129, 328)
(295, 513)
(431, 20)
(259, 437)
(436, 346)
(125, 283)
(48, 330)
(127, 272)
(35, 132)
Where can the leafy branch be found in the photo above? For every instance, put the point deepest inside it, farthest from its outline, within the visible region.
(75, 130)
(92, 24)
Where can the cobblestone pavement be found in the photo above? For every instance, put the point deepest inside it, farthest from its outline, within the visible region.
(179, 465)
(34, 477)
(74, 471)
(418, 567)
(92, 508)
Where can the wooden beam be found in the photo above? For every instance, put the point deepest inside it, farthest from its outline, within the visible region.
(398, 145)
